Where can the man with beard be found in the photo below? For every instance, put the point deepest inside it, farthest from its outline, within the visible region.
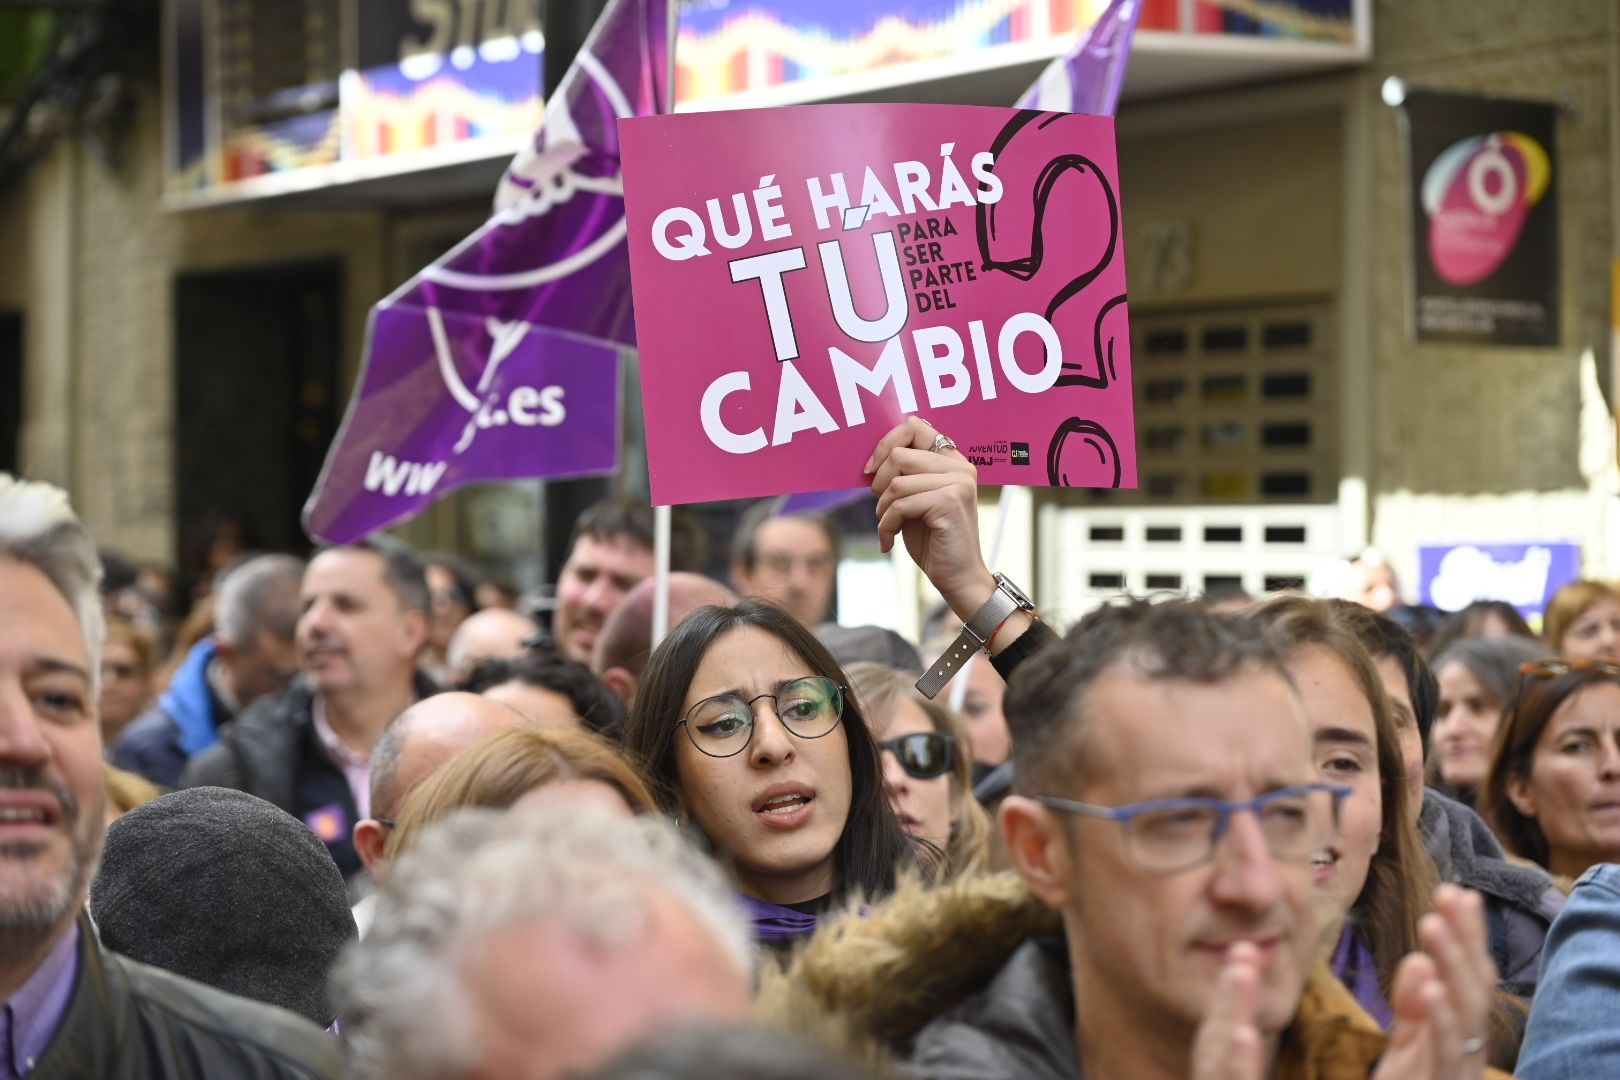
(72, 1008)
(611, 550)
(364, 620)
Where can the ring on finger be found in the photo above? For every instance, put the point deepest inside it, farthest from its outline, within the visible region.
(942, 443)
(1474, 1045)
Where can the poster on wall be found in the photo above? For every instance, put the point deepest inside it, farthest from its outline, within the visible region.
(805, 277)
(1484, 209)
(1452, 576)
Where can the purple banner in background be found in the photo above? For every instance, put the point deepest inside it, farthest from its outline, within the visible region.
(1452, 576)
(1089, 78)
(821, 500)
(500, 360)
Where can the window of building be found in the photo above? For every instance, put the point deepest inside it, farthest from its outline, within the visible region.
(1235, 405)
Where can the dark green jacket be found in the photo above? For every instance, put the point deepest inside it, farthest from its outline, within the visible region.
(128, 1021)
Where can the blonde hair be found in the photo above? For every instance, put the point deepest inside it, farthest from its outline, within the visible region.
(500, 770)
(126, 790)
(1570, 603)
(881, 689)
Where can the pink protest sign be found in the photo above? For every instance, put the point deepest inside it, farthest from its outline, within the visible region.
(804, 277)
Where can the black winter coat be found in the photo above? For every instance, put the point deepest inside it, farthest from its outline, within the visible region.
(273, 751)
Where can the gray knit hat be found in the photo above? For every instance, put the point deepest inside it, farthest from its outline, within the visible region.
(226, 889)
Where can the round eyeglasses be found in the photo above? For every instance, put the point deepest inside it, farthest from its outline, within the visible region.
(1167, 835)
(722, 726)
(924, 755)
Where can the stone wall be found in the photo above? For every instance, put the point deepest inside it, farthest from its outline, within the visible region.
(1453, 443)
(1487, 443)
(91, 259)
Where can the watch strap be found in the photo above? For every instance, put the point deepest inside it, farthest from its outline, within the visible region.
(973, 637)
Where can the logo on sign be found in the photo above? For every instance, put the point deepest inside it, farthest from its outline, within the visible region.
(1020, 453)
(1467, 574)
(330, 823)
(1477, 195)
(524, 406)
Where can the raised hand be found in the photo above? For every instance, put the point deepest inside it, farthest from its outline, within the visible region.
(1443, 996)
(930, 499)
(1227, 1046)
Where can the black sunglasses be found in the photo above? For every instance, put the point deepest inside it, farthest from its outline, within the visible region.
(924, 755)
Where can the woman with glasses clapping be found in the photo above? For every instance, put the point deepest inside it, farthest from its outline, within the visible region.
(1553, 789)
(927, 766)
(749, 733)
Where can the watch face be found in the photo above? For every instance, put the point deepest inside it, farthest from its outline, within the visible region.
(1014, 591)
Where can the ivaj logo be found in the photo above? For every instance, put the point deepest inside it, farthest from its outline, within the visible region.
(1020, 453)
(1477, 194)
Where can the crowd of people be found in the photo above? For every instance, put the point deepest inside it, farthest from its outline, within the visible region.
(371, 820)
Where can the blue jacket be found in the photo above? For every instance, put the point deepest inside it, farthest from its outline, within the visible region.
(184, 722)
(1572, 1032)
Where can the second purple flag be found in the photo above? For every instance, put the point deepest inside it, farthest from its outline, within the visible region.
(501, 359)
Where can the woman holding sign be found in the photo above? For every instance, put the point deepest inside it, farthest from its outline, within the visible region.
(751, 736)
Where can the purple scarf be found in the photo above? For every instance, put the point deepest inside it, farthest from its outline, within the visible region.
(773, 922)
(1353, 963)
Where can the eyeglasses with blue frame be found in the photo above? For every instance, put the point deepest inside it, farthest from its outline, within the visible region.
(1166, 835)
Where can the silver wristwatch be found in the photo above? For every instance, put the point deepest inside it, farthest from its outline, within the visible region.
(1007, 599)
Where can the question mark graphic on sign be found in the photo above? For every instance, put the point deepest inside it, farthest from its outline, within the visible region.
(1049, 188)
(1082, 454)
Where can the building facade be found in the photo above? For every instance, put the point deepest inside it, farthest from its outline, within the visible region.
(177, 359)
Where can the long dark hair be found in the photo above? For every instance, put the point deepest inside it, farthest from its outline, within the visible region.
(873, 847)
(1513, 755)
(1401, 877)
(1494, 663)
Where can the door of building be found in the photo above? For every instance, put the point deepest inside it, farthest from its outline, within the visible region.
(257, 362)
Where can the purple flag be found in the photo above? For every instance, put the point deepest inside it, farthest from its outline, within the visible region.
(821, 500)
(1088, 79)
(501, 359)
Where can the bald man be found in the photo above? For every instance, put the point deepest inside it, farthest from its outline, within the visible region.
(416, 743)
(625, 643)
(491, 634)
